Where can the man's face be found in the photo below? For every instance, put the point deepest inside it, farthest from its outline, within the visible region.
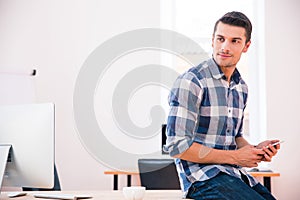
(228, 44)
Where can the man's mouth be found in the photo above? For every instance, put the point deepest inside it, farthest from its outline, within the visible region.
(224, 55)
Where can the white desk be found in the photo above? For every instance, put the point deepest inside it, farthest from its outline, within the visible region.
(107, 195)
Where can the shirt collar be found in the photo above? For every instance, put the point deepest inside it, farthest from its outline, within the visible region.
(218, 74)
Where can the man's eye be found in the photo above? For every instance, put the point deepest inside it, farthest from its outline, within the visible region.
(235, 41)
(220, 39)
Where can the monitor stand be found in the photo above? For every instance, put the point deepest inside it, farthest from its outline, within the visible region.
(4, 156)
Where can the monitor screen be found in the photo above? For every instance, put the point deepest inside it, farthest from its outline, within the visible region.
(29, 129)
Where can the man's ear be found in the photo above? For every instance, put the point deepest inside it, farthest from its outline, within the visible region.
(212, 40)
(246, 46)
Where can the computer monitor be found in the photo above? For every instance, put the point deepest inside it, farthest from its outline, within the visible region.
(29, 129)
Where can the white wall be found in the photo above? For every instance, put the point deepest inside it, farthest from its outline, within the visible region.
(283, 94)
(55, 37)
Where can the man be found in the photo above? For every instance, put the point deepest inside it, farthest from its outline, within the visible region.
(204, 128)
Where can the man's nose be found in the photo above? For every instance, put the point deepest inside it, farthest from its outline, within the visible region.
(225, 46)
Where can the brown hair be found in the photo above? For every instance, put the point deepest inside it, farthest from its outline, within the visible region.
(235, 18)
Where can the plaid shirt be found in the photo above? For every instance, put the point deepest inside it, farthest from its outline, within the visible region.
(207, 110)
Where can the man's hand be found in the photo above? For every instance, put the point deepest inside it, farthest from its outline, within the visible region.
(249, 156)
(270, 151)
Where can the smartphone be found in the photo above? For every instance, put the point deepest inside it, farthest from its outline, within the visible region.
(279, 142)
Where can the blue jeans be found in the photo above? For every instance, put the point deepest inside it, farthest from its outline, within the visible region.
(224, 186)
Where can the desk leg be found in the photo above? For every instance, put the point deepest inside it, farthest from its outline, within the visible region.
(267, 183)
(128, 180)
(115, 182)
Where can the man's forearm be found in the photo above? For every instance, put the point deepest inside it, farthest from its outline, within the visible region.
(246, 156)
(214, 156)
(241, 142)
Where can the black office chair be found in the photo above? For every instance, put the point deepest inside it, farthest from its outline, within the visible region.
(158, 174)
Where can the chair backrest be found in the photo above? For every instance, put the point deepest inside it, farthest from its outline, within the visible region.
(158, 174)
